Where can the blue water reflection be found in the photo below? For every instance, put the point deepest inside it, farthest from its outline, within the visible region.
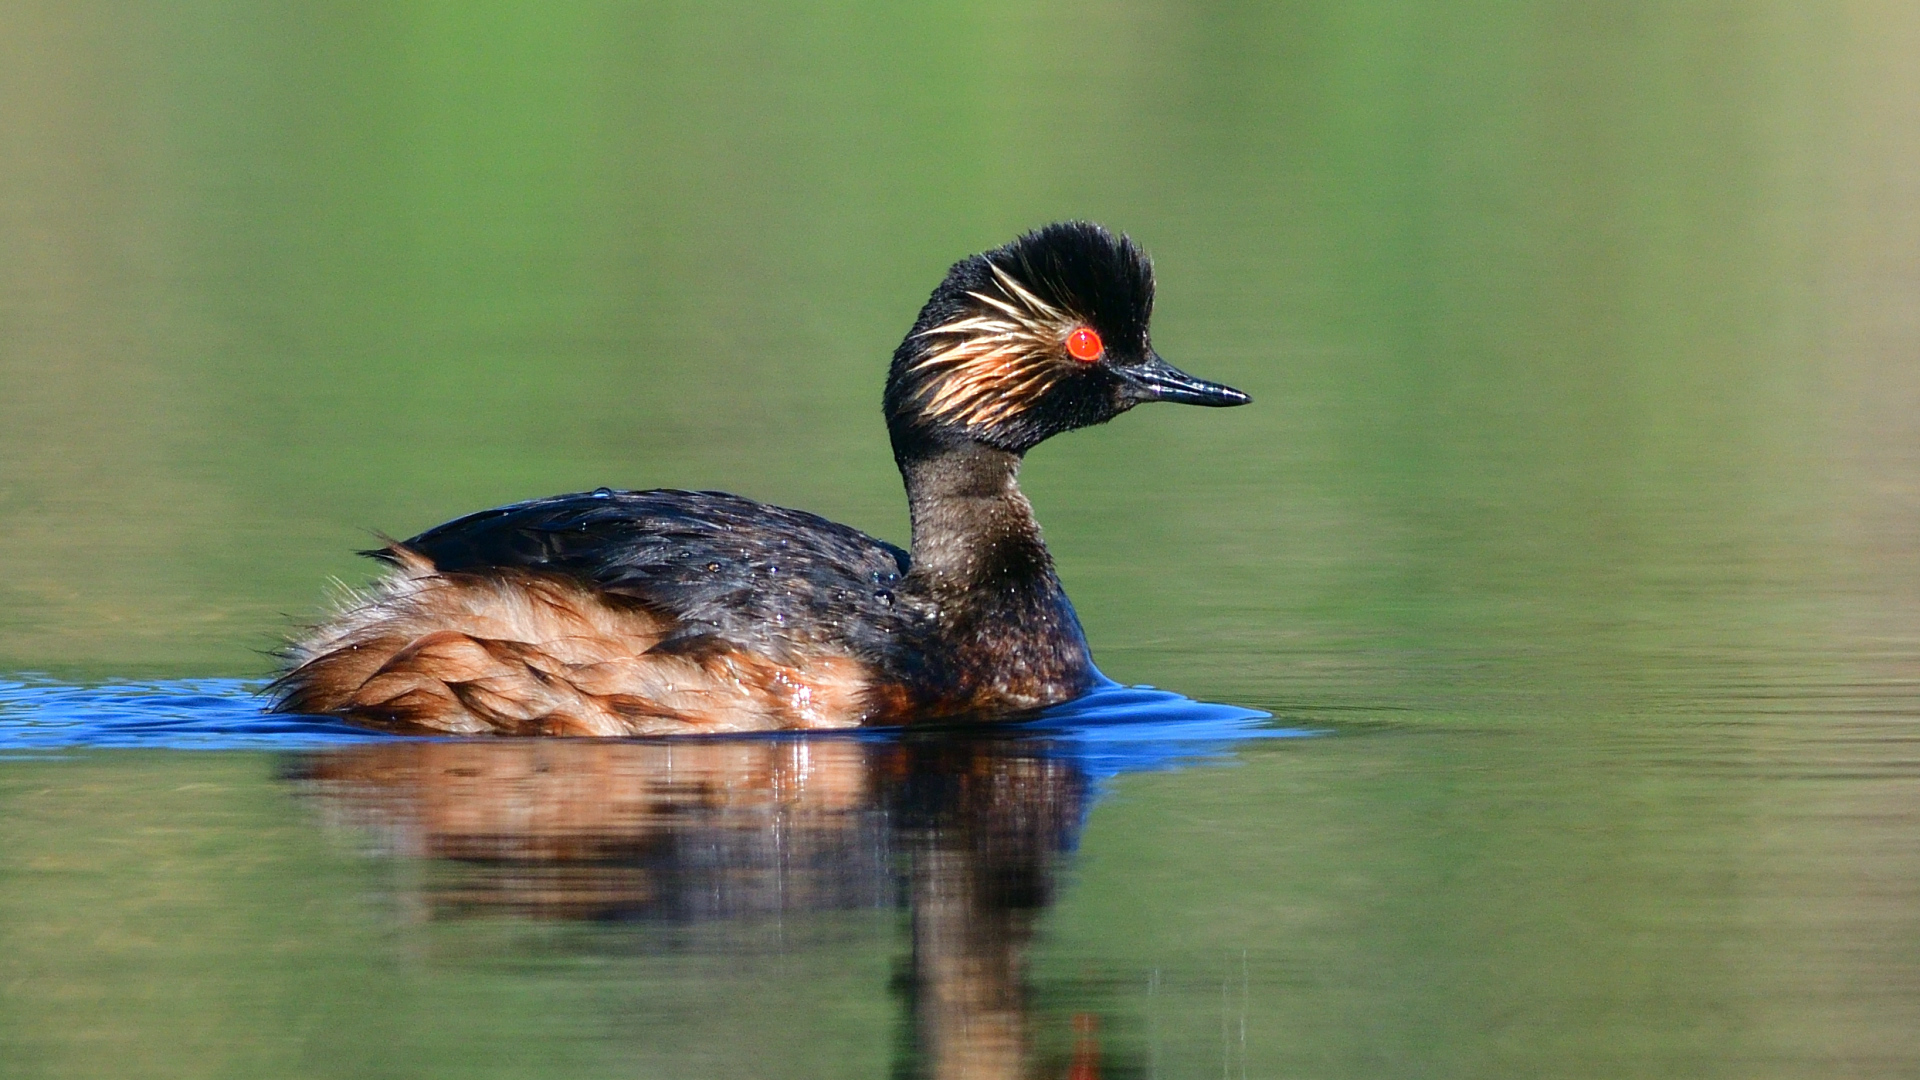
(182, 714)
(1113, 730)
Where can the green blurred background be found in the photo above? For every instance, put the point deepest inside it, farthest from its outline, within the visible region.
(1580, 494)
(1582, 330)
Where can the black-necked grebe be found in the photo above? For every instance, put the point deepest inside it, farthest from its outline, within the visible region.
(665, 612)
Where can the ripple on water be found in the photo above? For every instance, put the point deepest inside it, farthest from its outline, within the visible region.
(1114, 729)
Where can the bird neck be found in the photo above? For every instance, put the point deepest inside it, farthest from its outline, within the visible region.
(1004, 634)
(972, 528)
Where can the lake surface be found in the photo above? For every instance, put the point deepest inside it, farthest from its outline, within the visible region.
(1561, 589)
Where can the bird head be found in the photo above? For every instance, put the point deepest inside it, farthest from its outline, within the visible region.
(1043, 335)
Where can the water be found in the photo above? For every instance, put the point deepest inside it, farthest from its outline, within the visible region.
(1571, 532)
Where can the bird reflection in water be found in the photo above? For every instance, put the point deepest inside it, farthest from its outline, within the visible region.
(967, 831)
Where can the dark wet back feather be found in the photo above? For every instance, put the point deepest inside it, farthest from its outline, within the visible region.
(773, 580)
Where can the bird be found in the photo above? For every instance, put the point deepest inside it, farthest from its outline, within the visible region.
(668, 612)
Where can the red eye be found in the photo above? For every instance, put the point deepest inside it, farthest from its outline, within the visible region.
(1084, 345)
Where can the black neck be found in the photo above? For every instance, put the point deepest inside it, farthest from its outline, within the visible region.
(972, 528)
(1005, 635)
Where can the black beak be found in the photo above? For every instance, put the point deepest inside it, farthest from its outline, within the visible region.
(1157, 380)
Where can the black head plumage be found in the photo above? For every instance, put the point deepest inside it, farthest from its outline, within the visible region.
(1043, 335)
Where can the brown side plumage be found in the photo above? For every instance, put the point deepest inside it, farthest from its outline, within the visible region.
(511, 652)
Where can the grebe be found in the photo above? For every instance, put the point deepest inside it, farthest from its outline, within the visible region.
(669, 612)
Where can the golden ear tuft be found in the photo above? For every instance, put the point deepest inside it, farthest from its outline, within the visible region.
(998, 361)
